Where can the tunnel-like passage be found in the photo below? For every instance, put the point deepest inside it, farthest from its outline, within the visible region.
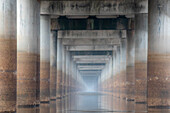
(74, 56)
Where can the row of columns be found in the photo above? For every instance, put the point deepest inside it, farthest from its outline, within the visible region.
(20, 53)
(143, 75)
(31, 65)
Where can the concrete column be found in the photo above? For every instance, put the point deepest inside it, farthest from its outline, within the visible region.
(53, 64)
(8, 55)
(28, 11)
(45, 59)
(130, 66)
(68, 72)
(141, 45)
(63, 70)
(159, 54)
(117, 79)
(123, 68)
(38, 69)
(59, 68)
(71, 74)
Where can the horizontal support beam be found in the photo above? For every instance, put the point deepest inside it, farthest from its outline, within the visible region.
(93, 7)
(83, 69)
(91, 34)
(91, 42)
(92, 62)
(90, 66)
(90, 74)
(119, 23)
(91, 56)
(91, 48)
(91, 59)
(91, 53)
(97, 72)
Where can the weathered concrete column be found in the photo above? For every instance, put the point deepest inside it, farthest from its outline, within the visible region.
(8, 55)
(123, 68)
(117, 79)
(67, 71)
(70, 74)
(38, 70)
(141, 45)
(63, 70)
(45, 59)
(53, 64)
(114, 74)
(59, 68)
(27, 51)
(159, 54)
(130, 65)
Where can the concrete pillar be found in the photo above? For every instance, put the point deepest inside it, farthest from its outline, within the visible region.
(130, 66)
(38, 69)
(114, 71)
(59, 68)
(63, 70)
(27, 51)
(8, 53)
(53, 64)
(159, 54)
(141, 45)
(123, 68)
(70, 74)
(67, 72)
(117, 79)
(45, 59)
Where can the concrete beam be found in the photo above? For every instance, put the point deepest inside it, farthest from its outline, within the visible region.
(91, 72)
(88, 7)
(91, 57)
(91, 48)
(91, 53)
(89, 68)
(63, 23)
(91, 34)
(91, 61)
(91, 42)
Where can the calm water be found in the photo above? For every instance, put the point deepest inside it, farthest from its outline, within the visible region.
(91, 103)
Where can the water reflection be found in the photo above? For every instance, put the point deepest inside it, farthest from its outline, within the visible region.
(90, 103)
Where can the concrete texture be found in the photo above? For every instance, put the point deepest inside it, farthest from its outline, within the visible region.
(130, 66)
(158, 54)
(8, 55)
(141, 47)
(59, 68)
(45, 59)
(53, 64)
(27, 51)
(97, 7)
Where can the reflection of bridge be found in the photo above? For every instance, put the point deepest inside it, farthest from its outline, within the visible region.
(53, 49)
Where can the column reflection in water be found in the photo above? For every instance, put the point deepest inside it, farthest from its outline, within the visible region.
(90, 103)
(53, 106)
(28, 110)
(44, 108)
(58, 106)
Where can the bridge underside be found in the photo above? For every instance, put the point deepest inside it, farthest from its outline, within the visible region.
(78, 53)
